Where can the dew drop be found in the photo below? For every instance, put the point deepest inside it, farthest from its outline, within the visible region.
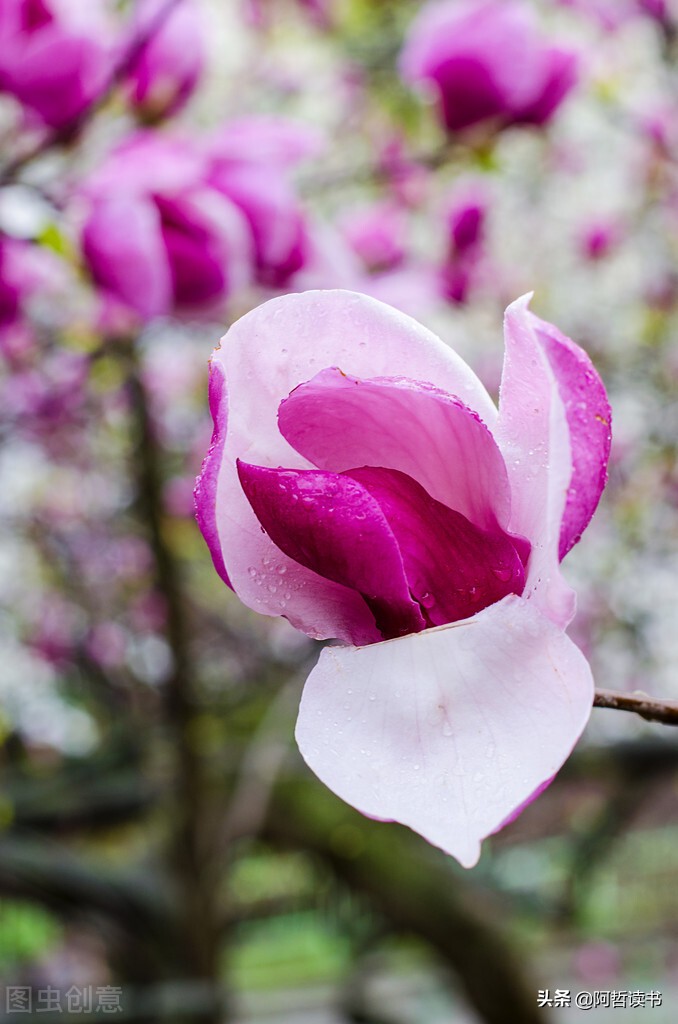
(503, 574)
(281, 570)
(252, 571)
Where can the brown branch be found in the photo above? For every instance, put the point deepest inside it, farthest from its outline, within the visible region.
(192, 859)
(650, 708)
(74, 126)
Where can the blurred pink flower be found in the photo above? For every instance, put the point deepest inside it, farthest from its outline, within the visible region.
(106, 644)
(600, 237)
(377, 235)
(361, 483)
(465, 219)
(488, 63)
(25, 270)
(250, 163)
(156, 237)
(169, 67)
(55, 56)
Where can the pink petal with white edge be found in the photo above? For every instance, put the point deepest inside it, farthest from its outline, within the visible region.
(451, 730)
(533, 435)
(205, 492)
(589, 417)
(265, 355)
(341, 422)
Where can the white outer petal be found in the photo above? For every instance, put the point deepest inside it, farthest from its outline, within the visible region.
(448, 731)
(533, 435)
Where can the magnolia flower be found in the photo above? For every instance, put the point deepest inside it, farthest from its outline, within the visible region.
(488, 63)
(156, 237)
(361, 483)
(54, 56)
(466, 258)
(378, 235)
(250, 161)
(167, 69)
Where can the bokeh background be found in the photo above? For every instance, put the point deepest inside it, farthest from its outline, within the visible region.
(165, 168)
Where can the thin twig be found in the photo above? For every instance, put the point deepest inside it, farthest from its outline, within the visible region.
(72, 128)
(650, 708)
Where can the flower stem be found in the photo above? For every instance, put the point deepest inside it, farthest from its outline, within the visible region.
(650, 708)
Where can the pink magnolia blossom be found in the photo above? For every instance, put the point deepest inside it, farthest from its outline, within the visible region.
(378, 235)
(169, 66)
(362, 484)
(466, 259)
(250, 161)
(156, 237)
(488, 63)
(600, 236)
(55, 56)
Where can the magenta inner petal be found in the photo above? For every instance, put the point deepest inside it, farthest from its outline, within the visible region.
(196, 265)
(454, 569)
(338, 421)
(333, 526)
(468, 93)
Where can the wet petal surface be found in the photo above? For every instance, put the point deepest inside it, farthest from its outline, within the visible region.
(450, 730)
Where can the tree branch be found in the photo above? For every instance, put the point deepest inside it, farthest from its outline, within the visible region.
(651, 709)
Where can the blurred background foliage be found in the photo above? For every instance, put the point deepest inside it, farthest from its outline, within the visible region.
(158, 830)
